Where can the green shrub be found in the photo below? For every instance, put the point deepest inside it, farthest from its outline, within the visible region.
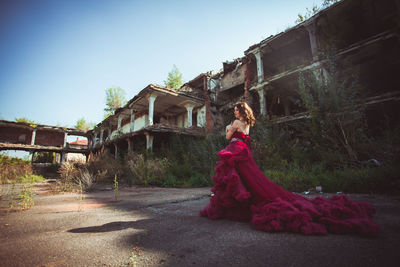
(13, 169)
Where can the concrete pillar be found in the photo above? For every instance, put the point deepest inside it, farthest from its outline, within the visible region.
(58, 158)
(95, 140)
(33, 137)
(116, 151)
(260, 66)
(30, 156)
(149, 141)
(129, 144)
(65, 139)
(62, 158)
(152, 98)
(119, 122)
(101, 136)
(311, 28)
(263, 106)
(189, 109)
(286, 106)
(132, 124)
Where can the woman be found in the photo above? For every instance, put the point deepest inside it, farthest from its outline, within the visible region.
(243, 193)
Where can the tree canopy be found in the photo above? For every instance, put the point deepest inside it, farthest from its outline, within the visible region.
(174, 80)
(115, 98)
(82, 125)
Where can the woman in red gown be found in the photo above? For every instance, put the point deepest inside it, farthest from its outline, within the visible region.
(243, 193)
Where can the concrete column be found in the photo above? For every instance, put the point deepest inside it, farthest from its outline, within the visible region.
(149, 141)
(263, 106)
(58, 158)
(152, 98)
(62, 158)
(65, 139)
(286, 106)
(311, 28)
(95, 140)
(132, 124)
(30, 157)
(119, 122)
(189, 109)
(116, 151)
(101, 136)
(260, 66)
(129, 144)
(33, 137)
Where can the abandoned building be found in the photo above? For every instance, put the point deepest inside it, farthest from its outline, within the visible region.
(40, 138)
(364, 35)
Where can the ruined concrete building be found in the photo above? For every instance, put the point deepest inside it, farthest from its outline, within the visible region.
(364, 33)
(40, 138)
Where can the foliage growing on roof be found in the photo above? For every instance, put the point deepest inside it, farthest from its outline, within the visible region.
(27, 121)
(84, 126)
(314, 10)
(174, 80)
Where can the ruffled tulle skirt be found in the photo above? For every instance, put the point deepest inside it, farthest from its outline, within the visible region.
(243, 193)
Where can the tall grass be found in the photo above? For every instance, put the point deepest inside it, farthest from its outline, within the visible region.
(16, 170)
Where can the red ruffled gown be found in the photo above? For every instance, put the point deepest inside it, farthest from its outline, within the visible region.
(243, 193)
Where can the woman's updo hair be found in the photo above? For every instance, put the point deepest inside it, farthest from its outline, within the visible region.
(246, 112)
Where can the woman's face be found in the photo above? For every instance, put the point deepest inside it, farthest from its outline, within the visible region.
(236, 112)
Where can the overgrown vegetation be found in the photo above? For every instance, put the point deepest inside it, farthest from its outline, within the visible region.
(172, 166)
(332, 148)
(16, 170)
(314, 10)
(174, 79)
(115, 98)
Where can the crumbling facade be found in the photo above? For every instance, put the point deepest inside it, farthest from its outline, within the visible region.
(364, 33)
(154, 112)
(40, 138)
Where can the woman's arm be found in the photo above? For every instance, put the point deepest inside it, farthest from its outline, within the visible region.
(231, 129)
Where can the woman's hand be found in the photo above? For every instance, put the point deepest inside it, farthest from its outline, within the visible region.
(229, 130)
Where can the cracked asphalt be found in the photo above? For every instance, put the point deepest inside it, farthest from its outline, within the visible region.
(161, 227)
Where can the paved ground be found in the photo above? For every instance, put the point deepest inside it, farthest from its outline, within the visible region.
(162, 228)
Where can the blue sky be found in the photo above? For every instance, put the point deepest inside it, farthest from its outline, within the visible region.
(57, 57)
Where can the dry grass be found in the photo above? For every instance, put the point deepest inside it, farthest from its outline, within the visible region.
(12, 169)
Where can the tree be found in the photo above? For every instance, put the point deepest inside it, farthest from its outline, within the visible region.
(337, 116)
(115, 98)
(314, 10)
(82, 125)
(174, 80)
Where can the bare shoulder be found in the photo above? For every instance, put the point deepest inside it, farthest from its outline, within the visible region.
(238, 123)
(241, 126)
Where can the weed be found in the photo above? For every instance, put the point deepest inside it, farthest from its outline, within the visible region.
(11, 199)
(132, 259)
(26, 197)
(116, 193)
